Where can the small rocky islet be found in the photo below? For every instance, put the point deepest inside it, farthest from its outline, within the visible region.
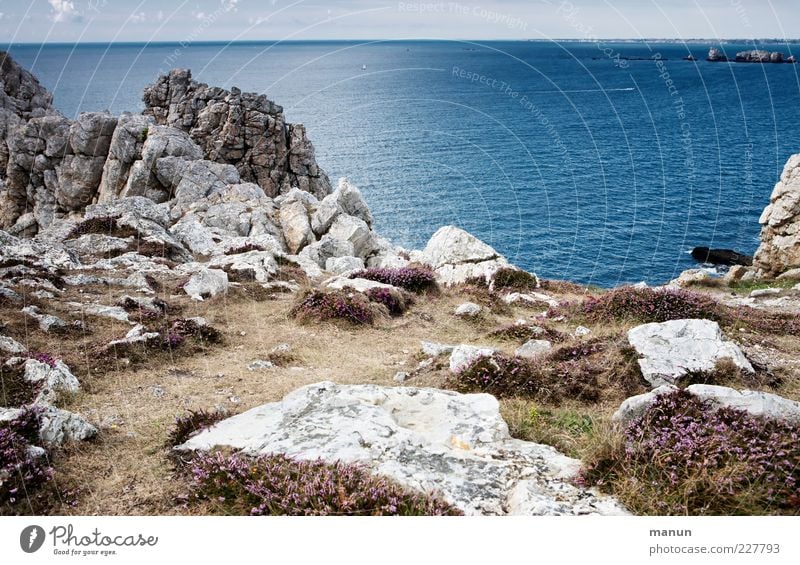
(195, 320)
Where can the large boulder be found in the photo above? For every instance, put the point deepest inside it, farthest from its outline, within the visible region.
(356, 231)
(206, 283)
(296, 226)
(670, 350)
(780, 232)
(348, 198)
(425, 439)
(457, 256)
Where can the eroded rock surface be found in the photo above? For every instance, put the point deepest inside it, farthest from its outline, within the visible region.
(426, 439)
(671, 349)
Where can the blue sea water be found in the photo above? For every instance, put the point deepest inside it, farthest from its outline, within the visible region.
(569, 158)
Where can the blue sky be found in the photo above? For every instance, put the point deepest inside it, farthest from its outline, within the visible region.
(216, 20)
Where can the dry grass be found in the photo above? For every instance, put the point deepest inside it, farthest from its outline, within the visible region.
(135, 402)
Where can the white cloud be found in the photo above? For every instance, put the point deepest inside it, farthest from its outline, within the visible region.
(63, 10)
(200, 15)
(229, 5)
(160, 15)
(138, 18)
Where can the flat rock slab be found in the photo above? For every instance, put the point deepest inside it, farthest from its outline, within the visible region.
(670, 350)
(426, 439)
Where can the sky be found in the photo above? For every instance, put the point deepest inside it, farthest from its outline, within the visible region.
(36, 21)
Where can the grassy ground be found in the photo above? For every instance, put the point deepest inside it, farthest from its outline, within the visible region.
(135, 400)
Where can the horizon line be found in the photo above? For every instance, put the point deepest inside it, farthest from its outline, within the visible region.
(689, 40)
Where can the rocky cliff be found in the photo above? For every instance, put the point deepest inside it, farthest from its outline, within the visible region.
(52, 167)
(779, 251)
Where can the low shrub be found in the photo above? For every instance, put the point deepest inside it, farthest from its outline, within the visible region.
(193, 422)
(246, 248)
(188, 328)
(16, 390)
(275, 485)
(413, 279)
(683, 457)
(23, 470)
(520, 333)
(395, 303)
(501, 376)
(514, 279)
(562, 287)
(586, 372)
(45, 358)
(644, 305)
(106, 225)
(319, 305)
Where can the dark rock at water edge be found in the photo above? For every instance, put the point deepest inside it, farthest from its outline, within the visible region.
(721, 256)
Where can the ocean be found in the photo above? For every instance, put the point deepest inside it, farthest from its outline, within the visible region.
(598, 163)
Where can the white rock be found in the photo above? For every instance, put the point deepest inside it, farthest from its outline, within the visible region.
(341, 265)
(425, 439)
(47, 323)
(670, 349)
(468, 310)
(259, 266)
(10, 345)
(791, 274)
(635, 406)
(690, 277)
(195, 236)
(296, 225)
(359, 285)
(53, 380)
(61, 426)
(135, 335)
(433, 349)
(755, 403)
(206, 283)
(764, 292)
(582, 331)
(260, 365)
(760, 404)
(456, 274)
(533, 348)
(113, 312)
(400, 376)
(349, 199)
(326, 248)
(57, 426)
(453, 246)
(530, 298)
(356, 231)
(464, 355)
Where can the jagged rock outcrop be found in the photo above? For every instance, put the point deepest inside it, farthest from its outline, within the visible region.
(243, 129)
(191, 141)
(426, 439)
(21, 93)
(780, 232)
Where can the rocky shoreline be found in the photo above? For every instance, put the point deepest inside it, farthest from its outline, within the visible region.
(129, 241)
